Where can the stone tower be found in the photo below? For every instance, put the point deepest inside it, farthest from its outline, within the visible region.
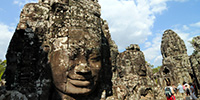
(176, 65)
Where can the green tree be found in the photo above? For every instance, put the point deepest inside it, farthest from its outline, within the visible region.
(2, 67)
(151, 66)
(155, 70)
(194, 45)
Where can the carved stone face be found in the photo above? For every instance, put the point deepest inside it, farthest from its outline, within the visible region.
(76, 63)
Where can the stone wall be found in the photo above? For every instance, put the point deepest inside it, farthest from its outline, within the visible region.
(195, 61)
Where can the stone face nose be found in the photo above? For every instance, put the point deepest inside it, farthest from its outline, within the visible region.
(82, 68)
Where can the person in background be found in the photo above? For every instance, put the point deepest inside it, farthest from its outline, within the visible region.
(184, 85)
(169, 89)
(196, 90)
(192, 91)
(180, 89)
(175, 89)
(187, 91)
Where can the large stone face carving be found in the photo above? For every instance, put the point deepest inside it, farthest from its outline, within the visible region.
(131, 78)
(172, 44)
(176, 65)
(59, 51)
(76, 65)
(131, 61)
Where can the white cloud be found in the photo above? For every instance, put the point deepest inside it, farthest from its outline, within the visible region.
(153, 53)
(186, 32)
(6, 33)
(23, 2)
(158, 5)
(185, 27)
(147, 44)
(158, 61)
(183, 35)
(130, 21)
(196, 24)
(186, 38)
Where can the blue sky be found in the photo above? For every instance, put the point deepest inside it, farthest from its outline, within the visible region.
(130, 21)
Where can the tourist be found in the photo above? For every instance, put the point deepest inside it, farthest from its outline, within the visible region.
(192, 91)
(169, 92)
(184, 85)
(180, 89)
(187, 91)
(195, 89)
(175, 89)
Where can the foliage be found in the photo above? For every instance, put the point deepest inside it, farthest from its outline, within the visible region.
(155, 70)
(194, 52)
(2, 67)
(193, 45)
(151, 66)
(156, 80)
